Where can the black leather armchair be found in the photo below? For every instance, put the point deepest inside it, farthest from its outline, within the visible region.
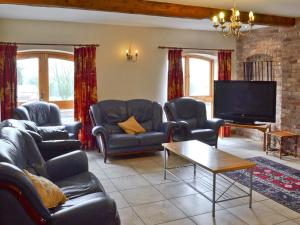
(191, 121)
(112, 140)
(49, 148)
(20, 203)
(47, 116)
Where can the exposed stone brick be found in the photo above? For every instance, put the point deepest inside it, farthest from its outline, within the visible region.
(283, 45)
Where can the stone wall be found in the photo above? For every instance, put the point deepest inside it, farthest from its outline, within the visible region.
(282, 45)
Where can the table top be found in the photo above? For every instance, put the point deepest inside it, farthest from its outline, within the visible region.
(210, 158)
(282, 133)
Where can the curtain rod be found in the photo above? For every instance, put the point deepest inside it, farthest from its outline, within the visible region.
(51, 44)
(206, 49)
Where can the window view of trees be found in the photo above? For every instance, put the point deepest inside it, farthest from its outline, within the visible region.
(61, 79)
(47, 76)
(28, 79)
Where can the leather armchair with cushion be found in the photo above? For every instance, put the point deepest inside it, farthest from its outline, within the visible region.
(47, 117)
(49, 148)
(191, 121)
(20, 203)
(112, 140)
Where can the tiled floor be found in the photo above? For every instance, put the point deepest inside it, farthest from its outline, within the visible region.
(144, 198)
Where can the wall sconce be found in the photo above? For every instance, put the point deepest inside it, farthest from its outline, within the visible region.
(130, 56)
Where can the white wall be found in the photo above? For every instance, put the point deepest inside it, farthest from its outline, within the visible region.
(117, 78)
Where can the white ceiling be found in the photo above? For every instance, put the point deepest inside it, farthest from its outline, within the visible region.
(283, 7)
(290, 8)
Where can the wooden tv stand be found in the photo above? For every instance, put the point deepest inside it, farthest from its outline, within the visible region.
(265, 128)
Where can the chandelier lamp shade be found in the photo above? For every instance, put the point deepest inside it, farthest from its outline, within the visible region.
(234, 26)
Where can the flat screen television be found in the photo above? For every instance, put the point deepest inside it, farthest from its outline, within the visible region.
(245, 101)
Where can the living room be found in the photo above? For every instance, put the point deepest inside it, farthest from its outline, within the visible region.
(131, 44)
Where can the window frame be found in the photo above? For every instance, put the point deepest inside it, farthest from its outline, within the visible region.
(43, 83)
(205, 99)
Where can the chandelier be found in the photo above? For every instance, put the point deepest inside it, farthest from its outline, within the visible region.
(234, 26)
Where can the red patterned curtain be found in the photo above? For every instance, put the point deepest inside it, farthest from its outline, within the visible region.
(85, 91)
(8, 80)
(224, 59)
(175, 74)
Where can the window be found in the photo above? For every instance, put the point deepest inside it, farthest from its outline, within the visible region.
(47, 76)
(199, 77)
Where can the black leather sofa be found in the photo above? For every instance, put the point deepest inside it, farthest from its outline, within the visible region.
(47, 116)
(51, 143)
(20, 203)
(191, 121)
(112, 140)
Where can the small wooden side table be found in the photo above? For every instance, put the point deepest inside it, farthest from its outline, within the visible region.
(284, 142)
(264, 128)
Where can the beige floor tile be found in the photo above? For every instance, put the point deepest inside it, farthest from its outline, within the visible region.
(142, 195)
(193, 205)
(290, 222)
(129, 182)
(129, 217)
(185, 221)
(108, 186)
(222, 217)
(119, 199)
(146, 167)
(281, 209)
(175, 189)
(158, 178)
(258, 215)
(158, 212)
(297, 220)
(119, 172)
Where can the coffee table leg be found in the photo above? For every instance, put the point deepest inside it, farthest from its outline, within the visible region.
(214, 196)
(250, 189)
(165, 163)
(195, 169)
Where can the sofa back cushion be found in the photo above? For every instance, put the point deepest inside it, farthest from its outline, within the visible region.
(146, 113)
(109, 113)
(189, 110)
(19, 148)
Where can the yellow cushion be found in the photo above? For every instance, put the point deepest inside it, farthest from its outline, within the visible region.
(131, 126)
(50, 194)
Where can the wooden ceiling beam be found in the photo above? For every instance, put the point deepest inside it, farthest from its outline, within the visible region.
(152, 8)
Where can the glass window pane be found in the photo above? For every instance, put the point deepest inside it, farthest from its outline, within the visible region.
(61, 79)
(28, 80)
(199, 77)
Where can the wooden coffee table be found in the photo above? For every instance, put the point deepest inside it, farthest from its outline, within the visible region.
(214, 161)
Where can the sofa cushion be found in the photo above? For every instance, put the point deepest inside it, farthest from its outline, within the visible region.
(201, 134)
(39, 112)
(123, 140)
(152, 138)
(131, 126)
(50, 194)
(79, 185)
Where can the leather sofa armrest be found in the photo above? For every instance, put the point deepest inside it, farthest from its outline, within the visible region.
(67, 165)
(215, 124)
(167, 127)
(100, 130)
(51, 149)
(99, 210)
(53, 133)
(74, 127)
(183, 125)
(36, 136)
(13, 180)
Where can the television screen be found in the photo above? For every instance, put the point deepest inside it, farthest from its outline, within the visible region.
(245, 101)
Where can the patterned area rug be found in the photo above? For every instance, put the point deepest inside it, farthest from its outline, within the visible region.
(273, 180)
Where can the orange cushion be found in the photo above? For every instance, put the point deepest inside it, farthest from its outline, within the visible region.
(50, 194)
(131, 126)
